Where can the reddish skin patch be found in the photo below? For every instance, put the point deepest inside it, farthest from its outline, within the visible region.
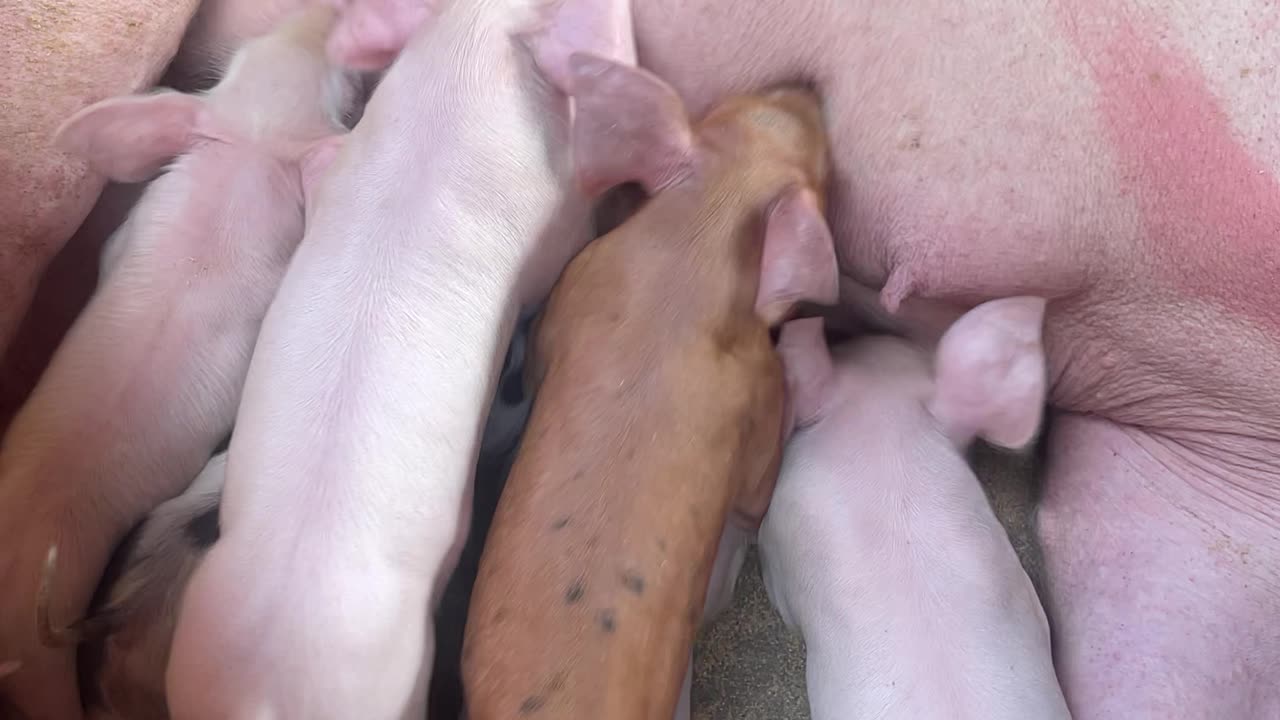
(1210, 209)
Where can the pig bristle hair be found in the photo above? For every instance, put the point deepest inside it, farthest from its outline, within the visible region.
(49, 635)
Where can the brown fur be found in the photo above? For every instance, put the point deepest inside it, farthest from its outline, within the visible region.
(660, 410)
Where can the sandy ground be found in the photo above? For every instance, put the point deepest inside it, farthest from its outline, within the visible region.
(749, 666)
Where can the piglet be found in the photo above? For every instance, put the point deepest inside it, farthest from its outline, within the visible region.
(880, 545)
(349, 489)
(128, 631)
(660, 402)
(147, 381)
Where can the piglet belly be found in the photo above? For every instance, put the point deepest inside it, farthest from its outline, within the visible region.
(1163, 579)
(588, 597)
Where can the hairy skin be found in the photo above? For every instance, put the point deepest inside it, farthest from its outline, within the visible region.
(448, 208)
(148, 378)
(55, 59)
(1120, 159)
(217, 30)
(591, 587)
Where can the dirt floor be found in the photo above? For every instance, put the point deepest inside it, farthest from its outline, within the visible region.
(749, 666)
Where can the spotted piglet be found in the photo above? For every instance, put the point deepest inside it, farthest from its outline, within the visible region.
(659, 413)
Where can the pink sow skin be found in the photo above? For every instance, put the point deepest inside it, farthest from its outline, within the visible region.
(1118, 159)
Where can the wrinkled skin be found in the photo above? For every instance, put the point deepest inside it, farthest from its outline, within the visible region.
(591, 586)
(147, 380)
(1119, 159)
(880, 545)
(55, 59)
(448, 208)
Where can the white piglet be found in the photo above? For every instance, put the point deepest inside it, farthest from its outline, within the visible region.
(450, 206)
(148, 379)
(880, 544)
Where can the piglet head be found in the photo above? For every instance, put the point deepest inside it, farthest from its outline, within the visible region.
(281, 85)
(782, 126)
(278, 91)
(990, 374)
(783, 129)
(630, 126)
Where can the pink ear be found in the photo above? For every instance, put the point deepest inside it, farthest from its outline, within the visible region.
(990, 373)
(799, 259)
(628, 126)
(806, 362)
(369, 34)
(315, 163)
(564, 27)
(128, 139)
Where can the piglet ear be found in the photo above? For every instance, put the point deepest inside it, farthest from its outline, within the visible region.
(806, 364)
(128, 139)
(561, 28)
(798, 263)
(990, 373)
(628, 125)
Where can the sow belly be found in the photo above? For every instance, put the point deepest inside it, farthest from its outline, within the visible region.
(1119, 160)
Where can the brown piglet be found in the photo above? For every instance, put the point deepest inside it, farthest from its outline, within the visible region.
(660, 407)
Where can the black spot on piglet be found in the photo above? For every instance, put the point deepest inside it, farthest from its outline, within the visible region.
(574, 593)
(608, 622)
(633, 582)
(531, 705)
